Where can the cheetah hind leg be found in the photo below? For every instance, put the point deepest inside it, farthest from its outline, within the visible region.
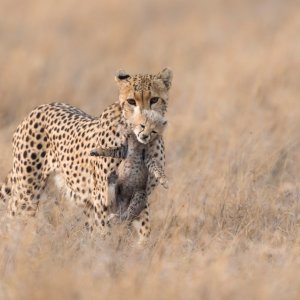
(142, 225)
(111, 189)
(136, 205)
(113, 218)
(26, 196)
(5, 192)
(5, 189)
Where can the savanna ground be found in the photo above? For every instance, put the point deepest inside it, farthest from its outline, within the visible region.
(228, 227)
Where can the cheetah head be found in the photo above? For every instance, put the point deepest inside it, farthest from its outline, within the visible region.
(144, 92)
(147, 126)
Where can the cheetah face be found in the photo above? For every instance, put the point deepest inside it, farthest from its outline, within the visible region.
(147, 126)
(144, 92)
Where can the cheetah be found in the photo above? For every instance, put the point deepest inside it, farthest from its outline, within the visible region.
(58, 138)
(127, 186)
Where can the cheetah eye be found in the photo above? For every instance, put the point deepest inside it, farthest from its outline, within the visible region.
(143, 126)
(131, 101)
(153, 131)
(154, 100)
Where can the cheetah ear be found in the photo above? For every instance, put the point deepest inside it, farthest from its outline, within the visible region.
(166, 75)
(122, 77)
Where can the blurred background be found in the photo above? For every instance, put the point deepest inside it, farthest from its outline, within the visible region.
(233, 142)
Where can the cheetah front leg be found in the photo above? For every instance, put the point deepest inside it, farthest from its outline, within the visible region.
(158, 172)
(98, 215)
(120, 152)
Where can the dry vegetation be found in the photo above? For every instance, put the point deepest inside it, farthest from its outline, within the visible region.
(228, 227)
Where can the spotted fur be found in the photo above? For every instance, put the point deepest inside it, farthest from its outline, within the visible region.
(58, 138)
(127, 186)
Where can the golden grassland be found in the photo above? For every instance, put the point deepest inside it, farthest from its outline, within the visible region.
(228, 227)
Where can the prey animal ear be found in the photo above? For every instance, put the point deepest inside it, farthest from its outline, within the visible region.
(122, 77)
(166, 75)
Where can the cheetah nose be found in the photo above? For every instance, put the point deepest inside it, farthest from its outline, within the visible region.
(144, 136)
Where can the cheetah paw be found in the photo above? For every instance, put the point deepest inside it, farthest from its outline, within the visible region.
(164, 182)
(113, 219)
(97, 152)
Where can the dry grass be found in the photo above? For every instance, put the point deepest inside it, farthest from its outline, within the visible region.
(228, 227)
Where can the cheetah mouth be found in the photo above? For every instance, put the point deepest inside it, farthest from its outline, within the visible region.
(143, 141)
